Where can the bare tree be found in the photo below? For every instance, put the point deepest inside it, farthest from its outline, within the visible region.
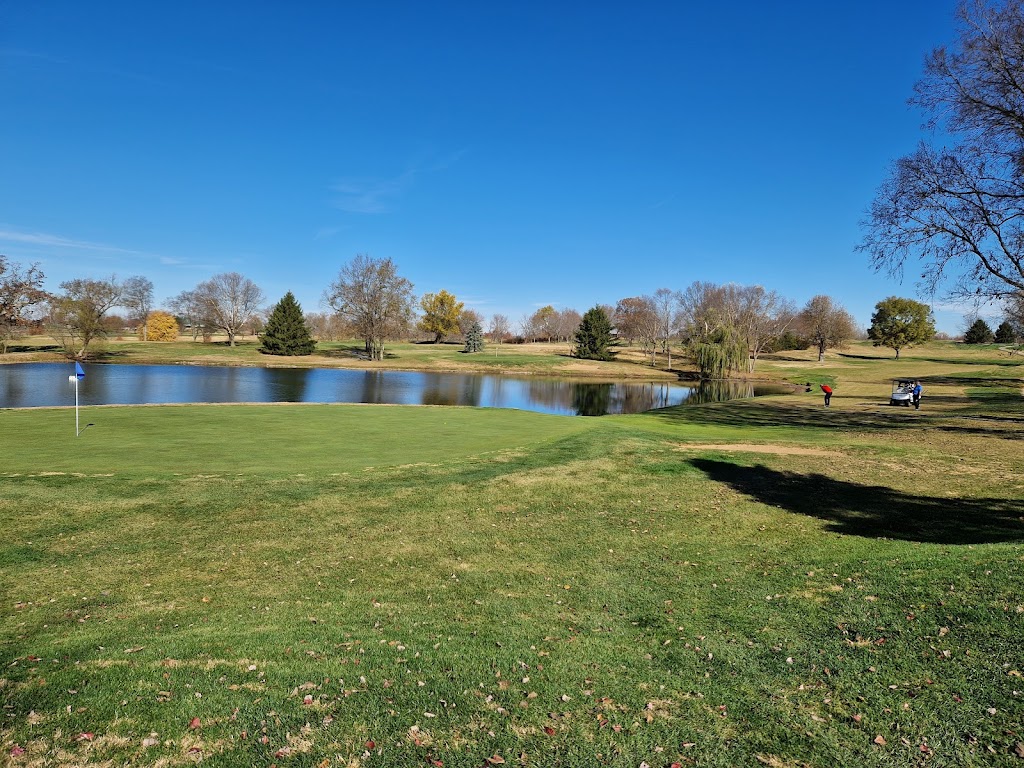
(137, 298)
(665, 303)
(467, 319)
(20, 289)
(228, 302)
(701, 310)
(527, 329)
(566, 323)
(636, 318)
(328, 326)
(960, 209)
(371, 295)
(189, 308)
(545, 322)
(630, 317)
(77, 315)
(827, 324)
(499, 328)
(763, 317)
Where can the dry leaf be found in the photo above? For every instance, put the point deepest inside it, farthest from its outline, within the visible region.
(879, 741)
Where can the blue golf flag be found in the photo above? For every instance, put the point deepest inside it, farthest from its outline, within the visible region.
(79, 373)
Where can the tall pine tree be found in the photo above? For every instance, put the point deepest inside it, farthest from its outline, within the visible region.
(286, 332)
(474, 338)
(594, 336)
(1005, 333)
(978, 333)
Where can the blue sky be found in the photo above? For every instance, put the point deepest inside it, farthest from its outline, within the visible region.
(515, 154)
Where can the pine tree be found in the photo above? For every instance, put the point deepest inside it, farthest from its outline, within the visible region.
(286, 332)
(475, 338)
(1005, 333)
(594, 336)
(978, 333)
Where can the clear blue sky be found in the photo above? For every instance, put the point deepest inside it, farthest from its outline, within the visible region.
(514, 153)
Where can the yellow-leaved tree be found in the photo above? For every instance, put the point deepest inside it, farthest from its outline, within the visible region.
(441, 312)
(160, 326)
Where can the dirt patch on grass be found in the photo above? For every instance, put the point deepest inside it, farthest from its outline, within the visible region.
(777, 450)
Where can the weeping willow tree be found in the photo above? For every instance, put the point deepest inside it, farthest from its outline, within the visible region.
(721, 353)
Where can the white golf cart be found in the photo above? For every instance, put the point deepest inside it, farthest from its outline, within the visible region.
(902, 392)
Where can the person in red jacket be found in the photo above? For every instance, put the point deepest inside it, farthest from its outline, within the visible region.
(828, 393)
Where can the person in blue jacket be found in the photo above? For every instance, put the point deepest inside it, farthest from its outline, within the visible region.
(916, 394)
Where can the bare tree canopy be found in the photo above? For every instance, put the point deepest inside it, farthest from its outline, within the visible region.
(636, 317)
(371, 295)
(228, 301)
(20, 288)
(960, 209)
(827, 324)
(499, 328)
(137, 298)
(763, 316)
(189, 308)
(76, 316)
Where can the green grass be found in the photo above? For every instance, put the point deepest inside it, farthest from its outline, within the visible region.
(547, 359)
(741, 584)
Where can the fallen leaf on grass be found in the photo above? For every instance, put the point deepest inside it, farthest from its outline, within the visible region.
(879, 741)
(549, 730)
(496, 760)
(85, 736)
(17, 750)
(194, 723)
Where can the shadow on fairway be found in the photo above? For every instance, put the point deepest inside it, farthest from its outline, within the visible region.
(772, 413)
(875, 511)
(958, 415)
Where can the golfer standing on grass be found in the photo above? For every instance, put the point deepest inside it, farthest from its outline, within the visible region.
(828, 393)
(916, 393)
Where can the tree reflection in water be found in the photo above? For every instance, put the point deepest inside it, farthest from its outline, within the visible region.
(45, 384)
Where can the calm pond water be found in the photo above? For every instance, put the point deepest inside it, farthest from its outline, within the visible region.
(24, 385)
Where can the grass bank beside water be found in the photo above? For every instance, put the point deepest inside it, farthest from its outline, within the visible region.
(541, 359)
(762, 582)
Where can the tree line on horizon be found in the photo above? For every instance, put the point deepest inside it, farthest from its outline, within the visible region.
(721, 329)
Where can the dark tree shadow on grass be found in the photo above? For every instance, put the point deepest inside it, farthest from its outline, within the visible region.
(875, 511)
(772, 413)
(769, 412)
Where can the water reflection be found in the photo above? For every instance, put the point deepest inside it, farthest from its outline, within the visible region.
(591, 399)
(46, 384)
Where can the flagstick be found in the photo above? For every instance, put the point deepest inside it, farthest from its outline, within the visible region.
(77, 433)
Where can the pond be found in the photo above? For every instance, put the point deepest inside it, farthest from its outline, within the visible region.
(24, 385)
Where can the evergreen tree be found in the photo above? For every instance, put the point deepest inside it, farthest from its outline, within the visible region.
(1005, 333)
(594, 336)
(475, 338)
(978, 333)
(286, 332)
